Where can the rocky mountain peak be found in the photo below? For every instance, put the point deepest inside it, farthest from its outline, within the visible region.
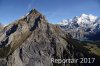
(31, 35)
(32, 15)
(33, 11)
(26, 25)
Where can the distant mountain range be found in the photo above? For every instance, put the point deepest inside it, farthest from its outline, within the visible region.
(83, 27)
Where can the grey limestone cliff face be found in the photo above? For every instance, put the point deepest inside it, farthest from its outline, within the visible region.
(32, 41)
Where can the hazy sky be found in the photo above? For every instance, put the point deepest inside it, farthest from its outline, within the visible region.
(54, 10)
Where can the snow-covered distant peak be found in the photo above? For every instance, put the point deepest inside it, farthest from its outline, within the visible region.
(90, 16)
(83, 15)
(83, 19)
(65, 22)
(86, 19)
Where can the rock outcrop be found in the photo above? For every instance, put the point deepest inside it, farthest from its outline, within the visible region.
(32, 41)
(1, 28)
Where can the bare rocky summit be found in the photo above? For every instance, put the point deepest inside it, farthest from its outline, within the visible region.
(32, 41)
